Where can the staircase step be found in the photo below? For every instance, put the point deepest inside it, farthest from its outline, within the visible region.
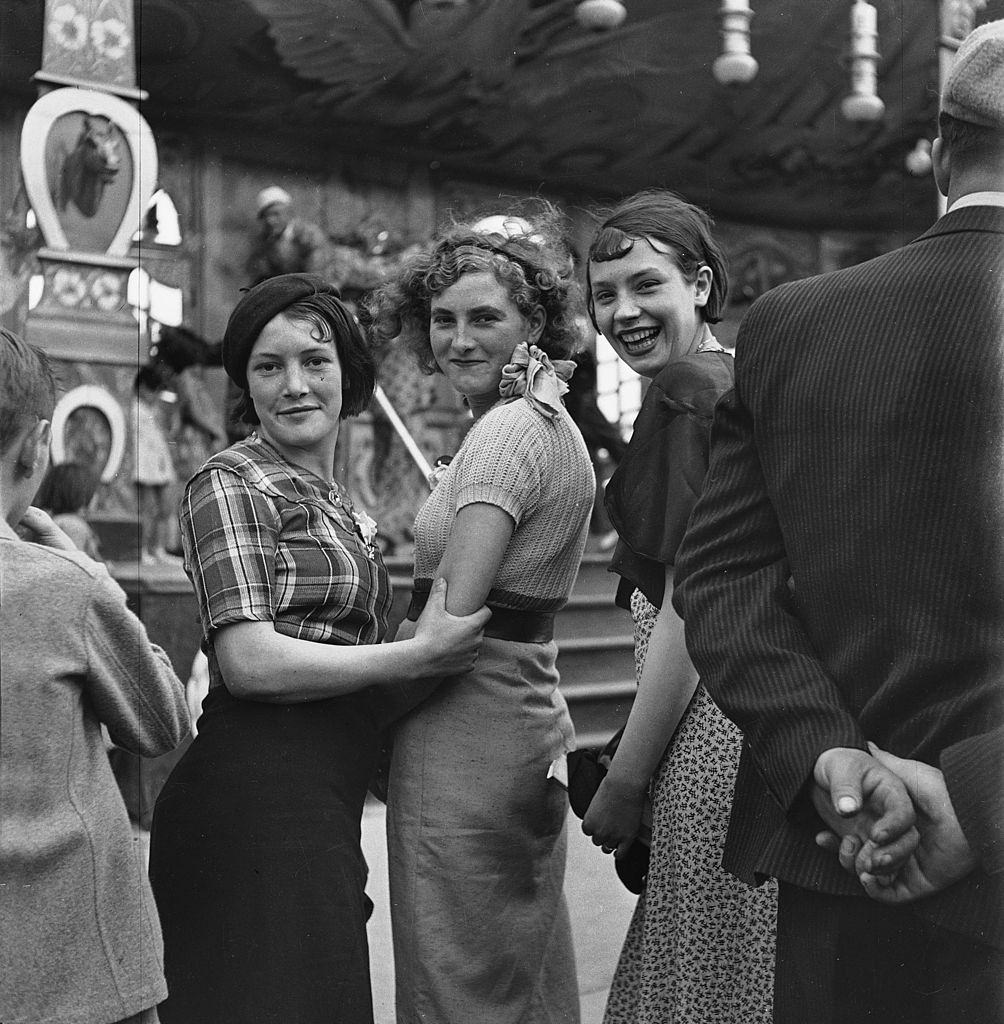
(595, 647)
(591, 615)
(594, 578)
(598, 710)
(598, 659)
(399, 565)
(118, 536)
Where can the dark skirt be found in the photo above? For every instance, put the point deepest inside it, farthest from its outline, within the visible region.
(257, 868)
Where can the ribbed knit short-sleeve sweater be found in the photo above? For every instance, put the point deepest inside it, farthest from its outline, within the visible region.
(536, 469)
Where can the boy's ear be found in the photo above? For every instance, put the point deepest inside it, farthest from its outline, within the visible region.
(34, 448)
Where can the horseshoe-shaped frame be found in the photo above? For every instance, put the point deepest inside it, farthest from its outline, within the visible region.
(90, 396)
(38, 123)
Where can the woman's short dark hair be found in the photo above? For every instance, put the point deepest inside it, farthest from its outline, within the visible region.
(325, 315)
(534, 267)
(68, 487)
(664, 216)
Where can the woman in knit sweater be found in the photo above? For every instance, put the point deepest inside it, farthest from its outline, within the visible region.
(475, 821)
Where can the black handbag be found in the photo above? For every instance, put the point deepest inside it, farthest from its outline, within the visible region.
(586, 770)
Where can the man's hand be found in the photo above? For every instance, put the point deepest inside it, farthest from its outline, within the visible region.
(943, 856)
(40, 529)
(867, 806)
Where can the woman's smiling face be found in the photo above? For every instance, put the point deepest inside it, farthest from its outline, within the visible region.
(295, 383)
(474, 325)
(646, 309)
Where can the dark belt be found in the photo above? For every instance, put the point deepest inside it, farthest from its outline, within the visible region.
(505, 624)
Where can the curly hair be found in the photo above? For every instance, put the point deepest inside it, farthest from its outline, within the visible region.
(534, 267)
(664, 216)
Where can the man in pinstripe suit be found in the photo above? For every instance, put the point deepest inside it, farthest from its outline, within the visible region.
(842, 582)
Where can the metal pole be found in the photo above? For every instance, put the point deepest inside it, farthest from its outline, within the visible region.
(402, 432)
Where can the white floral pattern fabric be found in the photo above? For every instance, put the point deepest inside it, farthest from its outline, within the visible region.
(700, 947)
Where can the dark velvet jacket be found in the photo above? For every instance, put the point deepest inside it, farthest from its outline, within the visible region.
(652, 492)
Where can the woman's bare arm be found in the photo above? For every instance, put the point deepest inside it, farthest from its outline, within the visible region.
(474, 552)
(665, 689)
(260, 664)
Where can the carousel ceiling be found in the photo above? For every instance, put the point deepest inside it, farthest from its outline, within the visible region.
(517, 91)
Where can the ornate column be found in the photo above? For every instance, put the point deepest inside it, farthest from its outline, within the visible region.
(90, 166)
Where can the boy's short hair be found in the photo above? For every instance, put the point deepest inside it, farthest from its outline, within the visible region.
(27, 387)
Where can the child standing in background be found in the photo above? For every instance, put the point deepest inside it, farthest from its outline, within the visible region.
(153, 469)
(66, 494)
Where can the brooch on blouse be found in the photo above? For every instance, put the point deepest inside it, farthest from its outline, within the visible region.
(365, 525)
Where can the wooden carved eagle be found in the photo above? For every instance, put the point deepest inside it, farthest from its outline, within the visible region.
(408, 64)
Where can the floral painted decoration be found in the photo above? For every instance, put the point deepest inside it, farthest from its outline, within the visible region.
(91, 40)
(68, 27)
(110, 38)
(533, 375)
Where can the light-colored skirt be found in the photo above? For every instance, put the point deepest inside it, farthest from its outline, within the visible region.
(477, 842)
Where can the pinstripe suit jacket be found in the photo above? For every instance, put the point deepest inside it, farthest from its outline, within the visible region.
(842, 576)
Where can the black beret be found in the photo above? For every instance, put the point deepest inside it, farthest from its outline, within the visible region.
(257, 307)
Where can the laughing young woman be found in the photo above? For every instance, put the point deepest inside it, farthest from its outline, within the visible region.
(700, 949)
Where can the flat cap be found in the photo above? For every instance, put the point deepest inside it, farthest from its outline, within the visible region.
(270, 196)
(974, 89)
(257, 307)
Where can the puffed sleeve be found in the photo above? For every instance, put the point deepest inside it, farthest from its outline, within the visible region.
(503, 460)
(650, 496)
(130, 681)
(230, 533)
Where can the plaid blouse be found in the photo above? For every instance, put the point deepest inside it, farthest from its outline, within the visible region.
(267, 541)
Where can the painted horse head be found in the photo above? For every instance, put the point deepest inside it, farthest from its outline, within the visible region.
(90, 166)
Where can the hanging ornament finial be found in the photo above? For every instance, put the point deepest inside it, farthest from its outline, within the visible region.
(918, 160)
(600, 14)
(735, 66)
(863, 103)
